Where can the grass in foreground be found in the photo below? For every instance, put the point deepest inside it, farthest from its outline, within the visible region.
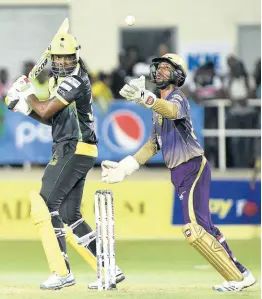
(154, 269)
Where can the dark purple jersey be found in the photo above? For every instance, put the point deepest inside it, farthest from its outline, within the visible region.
(175, 137)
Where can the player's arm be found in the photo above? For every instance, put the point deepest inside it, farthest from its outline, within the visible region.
(113, 172)
(175, 108)
(37, 117)
(68, 91)
(146, 152)
(21, 97)
(135, 91)
(166, 109)
(46, 109)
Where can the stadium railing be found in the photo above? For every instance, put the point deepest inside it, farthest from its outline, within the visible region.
(222, 132)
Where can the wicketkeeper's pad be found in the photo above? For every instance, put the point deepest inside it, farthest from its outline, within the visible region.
(212, 251)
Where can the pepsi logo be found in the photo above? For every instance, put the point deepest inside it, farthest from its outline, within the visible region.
(123, 131)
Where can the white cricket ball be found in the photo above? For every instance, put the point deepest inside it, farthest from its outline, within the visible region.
(130, 20)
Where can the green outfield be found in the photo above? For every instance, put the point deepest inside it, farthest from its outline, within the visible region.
(154, 269)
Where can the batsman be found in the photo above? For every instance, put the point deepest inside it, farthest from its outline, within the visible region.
(69, 112)
(173, 134)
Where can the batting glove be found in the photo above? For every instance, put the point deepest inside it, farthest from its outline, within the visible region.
(16, 101)
(23, 84)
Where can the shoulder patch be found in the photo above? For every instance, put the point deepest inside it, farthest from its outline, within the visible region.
(178, 97)
(73, 81)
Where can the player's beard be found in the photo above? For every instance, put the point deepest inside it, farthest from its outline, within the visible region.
(162, 77)
(59, 70)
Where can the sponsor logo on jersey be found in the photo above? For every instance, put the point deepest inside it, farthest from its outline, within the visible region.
(150, 100)
(65, 86)
(73, 81)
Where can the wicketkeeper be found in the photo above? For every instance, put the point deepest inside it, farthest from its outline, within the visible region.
(172, 132)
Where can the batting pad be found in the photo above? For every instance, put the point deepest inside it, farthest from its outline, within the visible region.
(81, 250)
(212, 251)
(42, 220)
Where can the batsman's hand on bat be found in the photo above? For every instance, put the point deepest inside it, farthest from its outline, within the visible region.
(136, 92)
(16, 98)
(113, 172)
(23, 84)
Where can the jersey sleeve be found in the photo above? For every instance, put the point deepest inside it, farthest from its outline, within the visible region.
(182, 106)
(70, 90)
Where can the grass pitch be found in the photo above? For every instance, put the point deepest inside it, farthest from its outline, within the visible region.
(153, 269)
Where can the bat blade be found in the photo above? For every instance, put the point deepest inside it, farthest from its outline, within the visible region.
(64, 27)
(43, 60)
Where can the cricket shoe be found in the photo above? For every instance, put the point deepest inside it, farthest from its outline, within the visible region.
(119, 277)
(236, 286)
(56, 282)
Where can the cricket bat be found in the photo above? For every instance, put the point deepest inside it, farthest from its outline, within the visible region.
(42, 62)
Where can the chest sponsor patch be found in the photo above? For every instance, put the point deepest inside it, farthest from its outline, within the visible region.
(66, 86)
(73, 81)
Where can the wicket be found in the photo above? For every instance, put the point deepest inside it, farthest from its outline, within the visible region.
(105, 239)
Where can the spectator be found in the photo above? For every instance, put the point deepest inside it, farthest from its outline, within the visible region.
(257, 145)
(5, 83)
(237, 83)
(207, 85)
(132, 57)
(162, 50)
(257, 75)
(2, 118)
(239, 116)
(101, 91)
(27, 67)
(118, 76)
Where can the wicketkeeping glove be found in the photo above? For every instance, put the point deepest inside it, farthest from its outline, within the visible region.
(116, 172)
(107, 166)
(135, 91)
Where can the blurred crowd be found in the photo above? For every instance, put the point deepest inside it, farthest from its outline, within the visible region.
(203, 84)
